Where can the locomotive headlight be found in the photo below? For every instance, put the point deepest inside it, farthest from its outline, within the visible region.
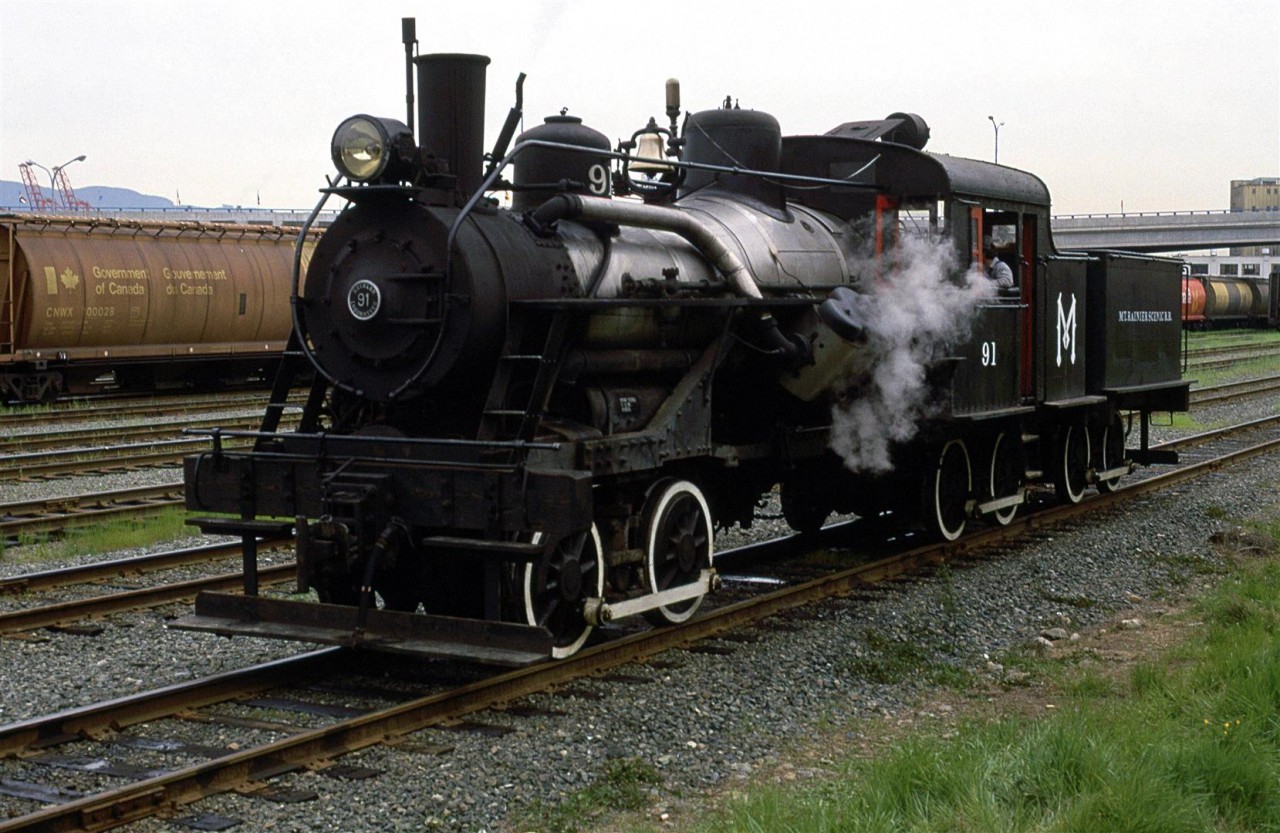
(366, 148)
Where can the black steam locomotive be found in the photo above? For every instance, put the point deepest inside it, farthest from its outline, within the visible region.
(530, 420)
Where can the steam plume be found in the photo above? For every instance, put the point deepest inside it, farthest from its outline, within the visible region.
(914, 310)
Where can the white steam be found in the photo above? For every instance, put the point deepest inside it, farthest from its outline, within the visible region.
(914, 310)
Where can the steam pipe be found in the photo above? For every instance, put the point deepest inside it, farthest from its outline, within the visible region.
(699, 234)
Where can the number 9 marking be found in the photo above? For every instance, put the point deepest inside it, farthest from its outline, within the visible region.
(598, 176)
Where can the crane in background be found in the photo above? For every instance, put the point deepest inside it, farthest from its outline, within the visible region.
(60, 186)
(35, 194)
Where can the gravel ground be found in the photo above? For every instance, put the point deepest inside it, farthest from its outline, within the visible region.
(704, 720)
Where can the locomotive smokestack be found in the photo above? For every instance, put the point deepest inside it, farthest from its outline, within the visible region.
(451, 113)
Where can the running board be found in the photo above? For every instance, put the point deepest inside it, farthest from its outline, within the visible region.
(442, 637)
(598, 612)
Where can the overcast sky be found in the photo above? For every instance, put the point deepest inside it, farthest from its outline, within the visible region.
(1153, 105)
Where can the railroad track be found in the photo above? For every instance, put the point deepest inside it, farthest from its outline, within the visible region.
(116, 568)
(66, 613)
(44, 465)
(73, 438)
(115, 408)
(99, 605)
(1228, 356)
(56, 453)
(51, 515)
(1252, 344)
(249, 769)
(1235, 390)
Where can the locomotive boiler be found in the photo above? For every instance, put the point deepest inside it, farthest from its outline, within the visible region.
(526, 422)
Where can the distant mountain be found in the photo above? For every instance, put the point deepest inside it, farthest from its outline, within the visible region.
(13, 196)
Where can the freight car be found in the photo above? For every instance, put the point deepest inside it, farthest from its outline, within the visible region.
(528, 422)
(150, 303)
(1210, 301)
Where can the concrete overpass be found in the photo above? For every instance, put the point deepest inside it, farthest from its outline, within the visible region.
(1167, 231)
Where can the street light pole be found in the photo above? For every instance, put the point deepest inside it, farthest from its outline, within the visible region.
(997, 127)
(79, 158)
(67, 196)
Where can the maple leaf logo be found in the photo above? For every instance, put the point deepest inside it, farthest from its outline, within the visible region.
(69, 279)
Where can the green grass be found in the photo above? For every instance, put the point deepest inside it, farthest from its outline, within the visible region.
(1231, 338)
(166, 525)
(1238, 371)
(885, 659)
(623, 784)
(1244, 369)
(1186, 741)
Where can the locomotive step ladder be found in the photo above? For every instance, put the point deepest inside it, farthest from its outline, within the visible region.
(502, 408)
(293, 365)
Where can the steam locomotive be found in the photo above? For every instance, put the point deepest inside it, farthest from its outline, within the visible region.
(529, 421)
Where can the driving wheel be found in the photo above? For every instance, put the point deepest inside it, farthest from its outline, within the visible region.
(557, 584)
(951, 483)
(1006, 476)
(1070, 463)
(679, 544)
(1111, 453)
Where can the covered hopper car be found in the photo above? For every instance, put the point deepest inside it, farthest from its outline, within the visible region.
(150, 303)
(525, 423)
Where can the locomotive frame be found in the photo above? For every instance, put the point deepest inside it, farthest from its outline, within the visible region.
(530, 422)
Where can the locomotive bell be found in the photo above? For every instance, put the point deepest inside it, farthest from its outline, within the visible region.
(650, 146)
(542, 172)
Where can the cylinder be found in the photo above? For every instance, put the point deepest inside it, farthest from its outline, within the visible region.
(451, 114)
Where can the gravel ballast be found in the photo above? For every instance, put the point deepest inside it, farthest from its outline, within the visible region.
(704, 720)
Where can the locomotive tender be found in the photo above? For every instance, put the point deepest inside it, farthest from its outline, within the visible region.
(527, 422)
(154, 303)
